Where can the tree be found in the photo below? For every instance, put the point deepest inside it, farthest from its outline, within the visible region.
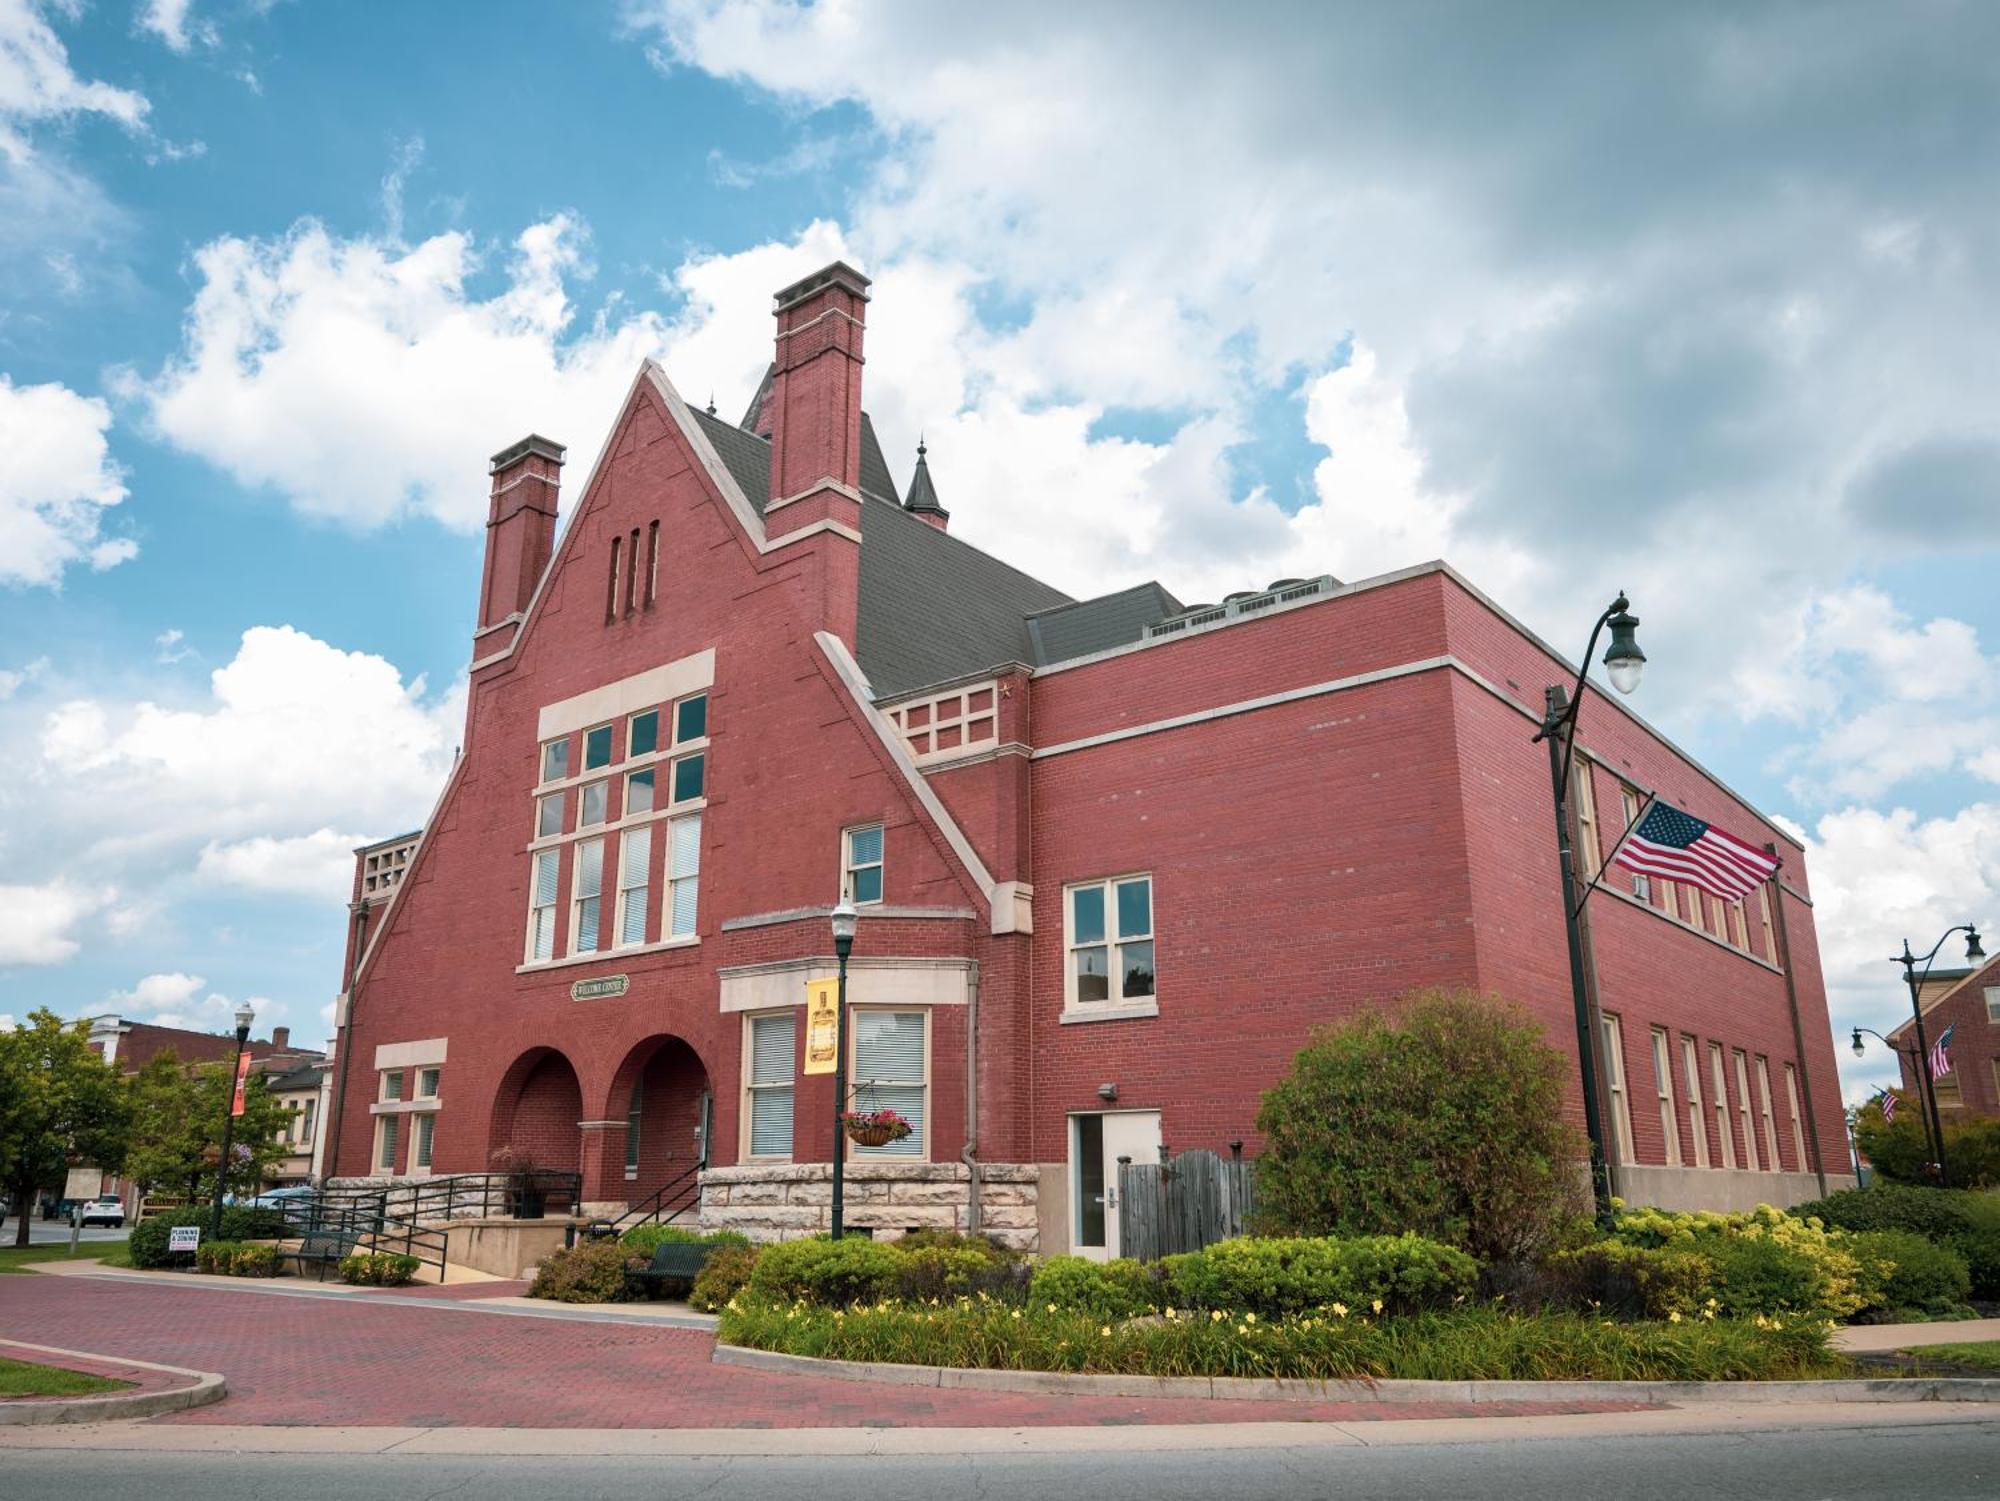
(177, 1128)
(1443, 1115)
(61, 1106)
(1900, 1152)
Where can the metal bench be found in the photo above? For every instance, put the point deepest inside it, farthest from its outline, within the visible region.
(325, 1248)
(673, 1261)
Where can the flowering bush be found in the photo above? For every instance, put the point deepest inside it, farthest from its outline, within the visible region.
(1969, 1223)
(1763, 1262)
(1385, 1273)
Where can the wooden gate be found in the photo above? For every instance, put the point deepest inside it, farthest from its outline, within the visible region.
(1195, 1200)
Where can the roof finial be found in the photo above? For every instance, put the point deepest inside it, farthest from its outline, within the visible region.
(711, 403)
(921, 450)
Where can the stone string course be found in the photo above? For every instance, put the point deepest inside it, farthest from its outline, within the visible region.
(782, 1201)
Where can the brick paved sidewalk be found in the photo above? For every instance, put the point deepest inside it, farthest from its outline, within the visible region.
(328, 1362)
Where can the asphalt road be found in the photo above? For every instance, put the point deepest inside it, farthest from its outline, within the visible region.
(56, 1232)
(1939, 1463)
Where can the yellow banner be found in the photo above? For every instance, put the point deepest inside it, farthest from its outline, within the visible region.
(822, 1025)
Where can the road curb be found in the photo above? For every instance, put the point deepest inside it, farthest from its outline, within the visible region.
(1249, 1389)
(199, 1390)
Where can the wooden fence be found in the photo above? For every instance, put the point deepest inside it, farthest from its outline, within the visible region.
(1192, 1201)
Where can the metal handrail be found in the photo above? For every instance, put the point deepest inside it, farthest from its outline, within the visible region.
(653, 1207)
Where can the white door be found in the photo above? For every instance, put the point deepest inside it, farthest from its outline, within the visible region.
(1096, 1142)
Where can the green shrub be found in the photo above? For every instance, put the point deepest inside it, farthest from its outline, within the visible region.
(953, 1240)
(214, 1256)
(1764, 1262)
(725, 1274)
(379, 1269)
(148, 1244)
(1627, 1281)
(833, 1273)
(1445, 1119)
(1275, 1276)
(1901, 1155)
(1116, 1289)
(235, 1258)
(1967, 1222)
(1462, 1344)
(592, 1272)
(1903, 1272)
(942, 1271)
(645, 1239)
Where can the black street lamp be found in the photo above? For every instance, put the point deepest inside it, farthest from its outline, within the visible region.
(1625, 664)
(1861, 1051)
(1975, 956)
(844, 921)
(244, 1016)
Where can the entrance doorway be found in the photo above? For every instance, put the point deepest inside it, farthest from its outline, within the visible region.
(1096, 1142)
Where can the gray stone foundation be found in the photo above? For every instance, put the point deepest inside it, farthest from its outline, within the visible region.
(783, 1201)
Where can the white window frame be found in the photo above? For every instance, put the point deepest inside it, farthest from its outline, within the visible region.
(672, 882)
(790, 1086)
(1770, 1116)
(541, 937)
(633, 893)
(923, 722)
(428, 1080)
(855, 1082)
(1798, 1120)
(387, 1095)
(1725, 1131)
(1663, 1085)
(542, 777)
(1587, 843)
(1629, 802)
(423, 1139)
(1614, 1078)
(543, 801)
(1745, 1112)
(388, 1142)
(1697, 1118)
(880, 864)
(587, 855)
(1115, 1002)
(611, 758)
(1993, 1004)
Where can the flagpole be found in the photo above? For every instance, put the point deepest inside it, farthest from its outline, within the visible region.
(1781, 930)
(1605, 865)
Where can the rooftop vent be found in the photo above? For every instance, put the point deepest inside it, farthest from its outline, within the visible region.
(1243, 604)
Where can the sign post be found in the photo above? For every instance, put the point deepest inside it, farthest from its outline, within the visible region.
(822, 1025)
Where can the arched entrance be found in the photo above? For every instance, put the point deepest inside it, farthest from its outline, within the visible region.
(661, 1093)
(536, 1112)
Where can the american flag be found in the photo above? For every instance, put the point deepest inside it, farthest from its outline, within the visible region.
(1888, 1103)
(1940, 1059)
(1681, 847)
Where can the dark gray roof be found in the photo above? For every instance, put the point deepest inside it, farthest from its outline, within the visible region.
(1084, 626)
(748, 458)
(302, 1076)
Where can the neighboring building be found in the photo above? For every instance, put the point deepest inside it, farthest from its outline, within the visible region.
(299, 1090)
(1114, 857)
(1968, 1001)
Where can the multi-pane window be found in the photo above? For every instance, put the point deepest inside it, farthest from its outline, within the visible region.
(1772, 1160)
(555, 760)
(593, 803)
(1798, 1121)
(861, 875)
(392, 1085)
(422, 1130)
(548, 815)
(587, 898)
(597, 747)
(1589, 855)
(768, 1083)
(635, 853)
(542, 905)
(387, 1128)
(683, 874)
(889, 1074)
(1109, 940)
(1743, 1116)
(1993, 1003)
(642, 735)
(1663, 1085)
(1691, 1080)
(1629, 801)
(427, 1084)
(1614, 1079)
(1723, 1133)
(307, 1117)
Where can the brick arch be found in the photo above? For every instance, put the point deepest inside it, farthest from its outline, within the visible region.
(671, 1078)
(537, 1111)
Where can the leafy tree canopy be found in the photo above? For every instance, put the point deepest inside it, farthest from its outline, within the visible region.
(61, 1106)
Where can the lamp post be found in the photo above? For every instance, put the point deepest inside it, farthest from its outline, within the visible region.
(1625, 664)
(843, 945)
(1861, 1049)
(1975, 956)
(244, 1016)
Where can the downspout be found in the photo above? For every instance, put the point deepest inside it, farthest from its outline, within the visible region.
(346, 1047)
(970, 1155)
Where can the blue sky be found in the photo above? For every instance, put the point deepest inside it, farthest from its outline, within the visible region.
(1693, 304)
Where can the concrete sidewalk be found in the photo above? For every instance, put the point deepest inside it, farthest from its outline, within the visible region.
(1860, 1338)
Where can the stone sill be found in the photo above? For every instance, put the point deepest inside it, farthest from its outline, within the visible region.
(1126, 1011)
(609, 956)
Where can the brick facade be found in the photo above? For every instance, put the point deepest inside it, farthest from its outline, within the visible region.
(1334, 803)
(1971, 1007)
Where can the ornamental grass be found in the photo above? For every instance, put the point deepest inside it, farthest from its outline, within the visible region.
(1329, 1344)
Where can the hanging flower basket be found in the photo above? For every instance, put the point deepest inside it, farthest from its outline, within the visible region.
(874, 1128)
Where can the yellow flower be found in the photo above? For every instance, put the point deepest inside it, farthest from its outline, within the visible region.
(1249, 1318)
(1378, 1305)
(1340, 1310)
(1105, 1331)
(1017, 1313)
(1215, 1316)
(1170, 1313)
(1052, 1308)
(1674, 1317)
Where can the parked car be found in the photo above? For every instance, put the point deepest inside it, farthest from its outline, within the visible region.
(278, 1198)
(105, 1209)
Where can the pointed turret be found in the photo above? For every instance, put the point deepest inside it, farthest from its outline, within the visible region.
(923, 501)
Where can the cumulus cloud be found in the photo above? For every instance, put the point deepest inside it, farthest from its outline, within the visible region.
(319, 864)
(363, 380)
(170, 21)
(56, 485)
(42, 920)
(175, 999)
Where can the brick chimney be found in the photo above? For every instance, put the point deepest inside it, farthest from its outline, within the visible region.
(520, 535)
(281, 1038)
(814, 409)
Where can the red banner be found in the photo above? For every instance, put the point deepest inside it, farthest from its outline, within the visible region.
(242, 1074)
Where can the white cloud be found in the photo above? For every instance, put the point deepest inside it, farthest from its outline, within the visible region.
(56, 484)
(174, 998)
(364, 380)
(37, 82)
(169, 21)
(159, 992)
(319, 864)
(171, 647)
(12, 679)
(42, 920)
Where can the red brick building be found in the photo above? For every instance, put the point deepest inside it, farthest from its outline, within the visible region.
(1967, 1002)
(1114, 857)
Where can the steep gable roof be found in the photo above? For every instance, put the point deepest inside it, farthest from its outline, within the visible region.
(1084, 626)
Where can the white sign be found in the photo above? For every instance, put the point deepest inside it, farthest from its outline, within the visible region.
(183, 1237)
(83, 1183)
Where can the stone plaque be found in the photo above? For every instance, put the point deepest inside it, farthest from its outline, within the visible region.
(604, 987)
